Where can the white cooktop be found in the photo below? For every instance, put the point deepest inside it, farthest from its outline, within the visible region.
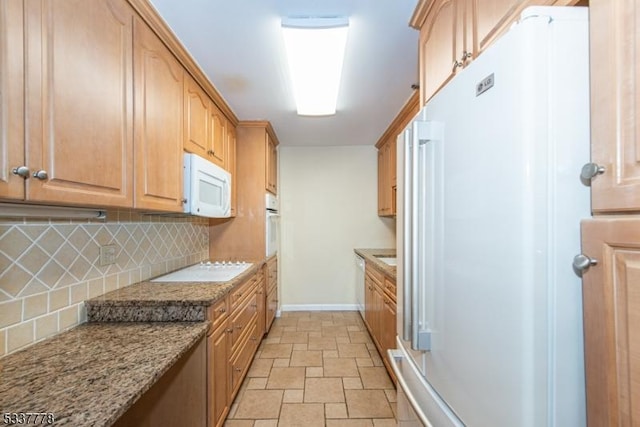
(206, 272)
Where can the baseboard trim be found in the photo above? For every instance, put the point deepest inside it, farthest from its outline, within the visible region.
(319, 307)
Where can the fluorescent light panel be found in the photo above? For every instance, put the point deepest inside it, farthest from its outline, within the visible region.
(315, 52)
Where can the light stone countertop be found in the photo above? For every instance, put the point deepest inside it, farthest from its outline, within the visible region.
(91, 374)
(370, 257)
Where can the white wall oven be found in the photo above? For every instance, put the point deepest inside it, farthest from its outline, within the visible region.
(272, 224)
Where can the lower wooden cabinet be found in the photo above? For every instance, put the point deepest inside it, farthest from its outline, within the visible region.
(272, 291)
(611, 305)
(380, 311)
(218, 375)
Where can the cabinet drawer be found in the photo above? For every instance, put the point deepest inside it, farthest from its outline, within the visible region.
(241, 360)
(390, 288)
(217, 313)
(242, 319)
(375, 275)
(240, 293)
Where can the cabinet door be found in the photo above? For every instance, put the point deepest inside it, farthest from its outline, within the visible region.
(78, 94)
(381, 183)
(615, 104)
(272, 306)
(492, 16)
(261, 299)
(441, 46)
(218, 376)
(611, 292)
(218, 137)
(271, 166)
(196, 118)
(230, 164)
(388, 325)
(11, 98)
(158, 120)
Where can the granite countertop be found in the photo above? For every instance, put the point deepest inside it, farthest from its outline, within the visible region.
(92, 374)
(162, 301)
(370, 256)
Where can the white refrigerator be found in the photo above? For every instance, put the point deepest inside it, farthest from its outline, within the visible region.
(490, 202)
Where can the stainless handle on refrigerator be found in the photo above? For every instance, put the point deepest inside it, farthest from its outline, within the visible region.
(406, 241)
(415, 261)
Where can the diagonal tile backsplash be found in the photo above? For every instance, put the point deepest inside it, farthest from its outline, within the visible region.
(48, 268)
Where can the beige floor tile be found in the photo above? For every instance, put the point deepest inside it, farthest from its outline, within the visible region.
(367, 404)
(329, 354)
(285, 378)
(293, 396)
(273, 351)
(392, 395)
(238, 423)
(352, 350)
(260, 368)
(352, 383)
(359, 337)
(315, 334)
(290, 328)
(266, 423)
(309, 325)
(335, 331)
(257, 383)
(323, 390)
(294, 337)
(259, 404)
(349, 423)
(354, 328)
(300, 347)
(234, 407)
(371, 346)
(375, 377)
(323, 343)
(343, 340)
(314, 371)
(335, 410)
(385, 422)
(280, 363)
(343, 367)
(306, 358)
(364, 361)
(271, 340)
(302, 414)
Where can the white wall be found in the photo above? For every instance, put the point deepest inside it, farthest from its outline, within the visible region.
(328, 206)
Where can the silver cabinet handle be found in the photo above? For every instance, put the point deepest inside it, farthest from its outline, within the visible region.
(582, 262)
(41, 175)
(465, 56)
(590, 170)
(456, 64)
(22, 171)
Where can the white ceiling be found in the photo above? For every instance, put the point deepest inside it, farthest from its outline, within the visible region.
(239, 46)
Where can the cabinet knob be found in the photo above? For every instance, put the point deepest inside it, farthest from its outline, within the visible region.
(465, 56)
(237, 369)
(184, 201)
(41, 175)
(22, 171)
(590, 170)
(456, 64)
(222, 310)
(239, 327)
(229, 330)
(582, 262)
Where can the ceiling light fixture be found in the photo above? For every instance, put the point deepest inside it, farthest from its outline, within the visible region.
(315, 51)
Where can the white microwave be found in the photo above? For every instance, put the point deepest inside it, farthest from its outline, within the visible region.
(207, 188)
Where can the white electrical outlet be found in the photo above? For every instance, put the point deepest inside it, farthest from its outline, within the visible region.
(107, 255)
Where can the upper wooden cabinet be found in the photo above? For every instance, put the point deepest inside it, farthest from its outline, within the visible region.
(158, 123)
(12, 145)
(271, 174)
(615, 92)
(77, 144)
(454, 32)
(230, 164)
(197, 126)
(387, 157)
(218, 136)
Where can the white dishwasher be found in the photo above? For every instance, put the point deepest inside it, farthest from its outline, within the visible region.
(360, 284)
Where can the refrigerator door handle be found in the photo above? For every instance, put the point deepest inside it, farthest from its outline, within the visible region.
(415, 240)
(407, 236)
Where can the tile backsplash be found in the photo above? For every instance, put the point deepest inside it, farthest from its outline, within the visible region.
(48, 268)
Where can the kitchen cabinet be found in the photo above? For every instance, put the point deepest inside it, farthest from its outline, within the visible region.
(218, 137)
(197, 119)
(244, 236)
(230, 163)
(611, 295)
(178, 398)
(380, 311)
(387, 157)
(232, 343)
(158, 123)
(272, 291)
(271, 174)
(70, 138)
(454, 32)
(615, 90)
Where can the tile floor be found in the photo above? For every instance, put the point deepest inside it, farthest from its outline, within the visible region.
(316, 369)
